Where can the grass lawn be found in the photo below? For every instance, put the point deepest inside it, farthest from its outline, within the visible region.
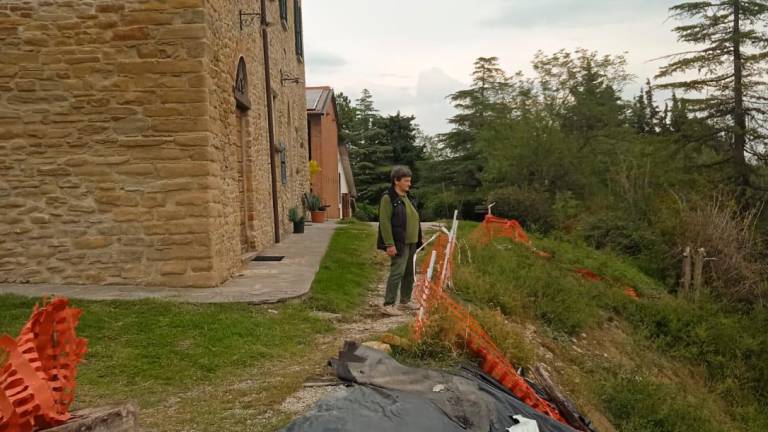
(154, 351)
(348, 269)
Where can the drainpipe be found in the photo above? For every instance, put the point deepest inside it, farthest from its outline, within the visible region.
(270, 118)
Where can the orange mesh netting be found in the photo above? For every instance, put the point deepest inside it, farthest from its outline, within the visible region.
(37, 381)
(430, 294)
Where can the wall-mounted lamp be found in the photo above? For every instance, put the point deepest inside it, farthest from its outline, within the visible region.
(248, 18)
(285, 78)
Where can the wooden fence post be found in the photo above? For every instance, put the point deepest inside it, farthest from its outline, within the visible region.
(686, 282)
(698, 270)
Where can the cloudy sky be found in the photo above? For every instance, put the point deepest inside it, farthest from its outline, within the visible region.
(412, 53)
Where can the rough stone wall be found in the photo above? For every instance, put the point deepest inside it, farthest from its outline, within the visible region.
(228, 45)
(290, 110)
(116, 147)
(105, 170)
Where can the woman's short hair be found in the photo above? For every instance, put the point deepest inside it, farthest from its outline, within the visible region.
(399, 172)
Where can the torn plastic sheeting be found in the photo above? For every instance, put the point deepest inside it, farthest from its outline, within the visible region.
(391, 397)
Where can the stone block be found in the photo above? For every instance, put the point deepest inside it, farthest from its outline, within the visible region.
(109, 7)
(181, 110)
(130, 34)
(131, 126)
(13, 203)
(184, 169)
(94, 242)
(173, 268)
(147, 154)
(136, 67)
(171, 253)
(116, 199)
(136, 241)
(136, 170)
(191, 226)
(77, 207)
(184, 31)
(53, 171)
(164, 125)
(192, 199)
(192, 140)
(137, 214)
(143, 142)
(146, 18)
(19, 57)
(170, 186)
(39, 219)
(185, 96)
(153, 200)
(81, 59)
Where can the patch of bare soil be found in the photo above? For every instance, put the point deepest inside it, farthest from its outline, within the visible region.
(369, 325)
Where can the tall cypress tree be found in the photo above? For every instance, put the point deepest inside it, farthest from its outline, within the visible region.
(461, 172)
(371, 158)
(731, 64)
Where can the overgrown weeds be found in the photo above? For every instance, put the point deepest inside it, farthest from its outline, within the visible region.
(727, 231)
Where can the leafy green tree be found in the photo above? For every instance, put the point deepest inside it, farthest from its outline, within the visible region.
(730, 91)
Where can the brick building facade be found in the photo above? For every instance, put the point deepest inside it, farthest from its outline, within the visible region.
(138, 144)
(334, 183)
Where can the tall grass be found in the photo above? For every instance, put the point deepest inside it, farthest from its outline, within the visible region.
(730, 343)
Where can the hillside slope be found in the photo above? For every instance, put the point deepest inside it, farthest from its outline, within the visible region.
(653, 363)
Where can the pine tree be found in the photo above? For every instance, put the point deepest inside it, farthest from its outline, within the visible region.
(639, 113)
(347, 117)
(371, 158)
(653, 111)
(731, 63)
(461, 172)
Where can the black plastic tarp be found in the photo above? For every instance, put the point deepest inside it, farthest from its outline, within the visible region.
(385, 396)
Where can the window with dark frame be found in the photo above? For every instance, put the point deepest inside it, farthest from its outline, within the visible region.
(284, 11)
(283, 165)
(298, 28)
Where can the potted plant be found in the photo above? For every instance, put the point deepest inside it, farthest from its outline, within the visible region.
(316, 208)
(298, 220)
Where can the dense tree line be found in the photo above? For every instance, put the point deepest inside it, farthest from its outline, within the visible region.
(563, 151)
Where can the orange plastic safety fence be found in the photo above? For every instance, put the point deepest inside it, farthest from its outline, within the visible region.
(430, 294)
(494, 227)
(37, 382)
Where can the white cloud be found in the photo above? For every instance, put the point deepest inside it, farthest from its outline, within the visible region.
(412, 54)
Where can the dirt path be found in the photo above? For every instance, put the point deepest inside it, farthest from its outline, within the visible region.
(369, 325)
(266, 399)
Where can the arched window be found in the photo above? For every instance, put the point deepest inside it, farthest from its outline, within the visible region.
(241, 87)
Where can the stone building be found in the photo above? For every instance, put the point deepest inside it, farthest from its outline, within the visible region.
(334, 183)
(147, 142)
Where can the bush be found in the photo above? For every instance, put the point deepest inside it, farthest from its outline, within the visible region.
(442, 205)
(531, 207)
(366, 212)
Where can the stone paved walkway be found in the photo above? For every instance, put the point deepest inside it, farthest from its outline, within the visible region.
(257, 283)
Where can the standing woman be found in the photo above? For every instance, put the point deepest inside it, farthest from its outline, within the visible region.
(400, 236)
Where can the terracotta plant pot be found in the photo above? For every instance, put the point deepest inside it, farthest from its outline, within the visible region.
(318, 216)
